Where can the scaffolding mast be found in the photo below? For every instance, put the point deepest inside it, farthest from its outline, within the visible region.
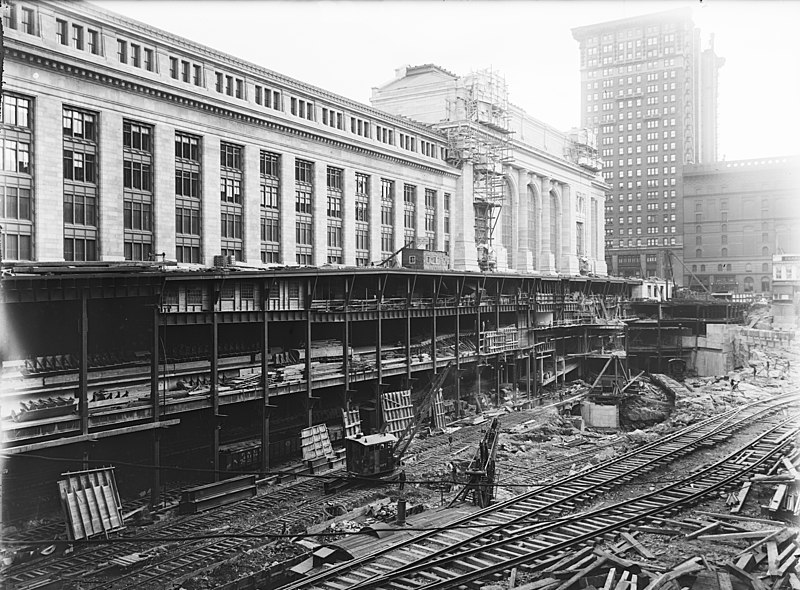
(482, 137)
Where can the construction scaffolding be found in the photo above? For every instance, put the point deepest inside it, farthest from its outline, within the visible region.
(581, 149)
(479, 133)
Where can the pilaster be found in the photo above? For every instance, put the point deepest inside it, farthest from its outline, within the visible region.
(319, 214)
(524, 256)
(251, 213)
(210, 223)
(164, 190)
(399, 211)
(288, 218)
(349, 217)
(546, 258)
(110, 201)
(462, 223)
(48, 193)
(375, 218)
(569, 258)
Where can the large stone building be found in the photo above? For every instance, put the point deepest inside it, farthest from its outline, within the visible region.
(738, 215)
(119, 137)
(650, 92)
(538, 200)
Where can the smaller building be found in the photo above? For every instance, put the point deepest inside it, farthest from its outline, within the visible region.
(737, 215)
(420, 259)
(786, 290)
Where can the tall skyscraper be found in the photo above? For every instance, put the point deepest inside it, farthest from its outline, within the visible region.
(650, 93)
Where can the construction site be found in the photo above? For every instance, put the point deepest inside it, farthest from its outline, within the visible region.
(433, 397)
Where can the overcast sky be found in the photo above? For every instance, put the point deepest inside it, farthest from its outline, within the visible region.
(350, 47)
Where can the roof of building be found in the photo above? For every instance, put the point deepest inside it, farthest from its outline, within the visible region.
(683, 13)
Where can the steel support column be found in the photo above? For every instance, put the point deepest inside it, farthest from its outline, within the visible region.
(155, 487)
(264, 406)
(214, 387)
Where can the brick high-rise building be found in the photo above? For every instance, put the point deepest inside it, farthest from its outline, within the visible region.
(650, 93)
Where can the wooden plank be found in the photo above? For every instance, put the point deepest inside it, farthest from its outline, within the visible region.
(790, 563)
(114, 509)
(85, 515)
(754, 582)
(569, 559)
(777, 498)
(736, 536)
(75, 522)
(742, 518)
(772, 558)
(794, 581)
(610, 578)
(623, 581)
(638, 546)
(769, 537)
(94, 510)
(102, 509)
(724, 581)
(582, 573)
(703, 530)
(742, 496)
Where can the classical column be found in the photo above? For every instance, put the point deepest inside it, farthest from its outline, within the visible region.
(164, 191)
(211, 213)
(251, 214)
(110, 199)
(568, 256)
(524, 212)
(288, 217)
(546, 258)
(48, 194)
(462, 222)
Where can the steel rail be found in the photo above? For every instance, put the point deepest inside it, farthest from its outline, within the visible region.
(625, 513)
(716, 425)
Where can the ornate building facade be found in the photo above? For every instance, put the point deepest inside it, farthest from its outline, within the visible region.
(538, 200)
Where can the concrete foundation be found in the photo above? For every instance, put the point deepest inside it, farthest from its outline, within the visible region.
(598, 416)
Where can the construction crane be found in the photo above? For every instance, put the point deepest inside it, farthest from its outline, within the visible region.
(380, 454)
(670, 256)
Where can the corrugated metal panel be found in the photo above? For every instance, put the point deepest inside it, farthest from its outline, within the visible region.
(91, 503)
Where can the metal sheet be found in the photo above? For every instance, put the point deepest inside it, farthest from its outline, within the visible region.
(316, 442)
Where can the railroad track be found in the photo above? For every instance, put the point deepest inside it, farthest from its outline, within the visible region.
(532, 527)
(198, 555)
(78, 565)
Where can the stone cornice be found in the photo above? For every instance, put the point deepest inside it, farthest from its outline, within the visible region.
(191, 48)
(187, 102)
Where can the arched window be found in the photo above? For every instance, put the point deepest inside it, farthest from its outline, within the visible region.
(724, 238)
(724, 228)
(724, 252)
(698, 240)
(765, 267)
(764, 284)
(698, 253)
(698, 229)
(694, 268)
(748, 284)
(720, 267)
(702, 268)
(748, 267)
(765, 251)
